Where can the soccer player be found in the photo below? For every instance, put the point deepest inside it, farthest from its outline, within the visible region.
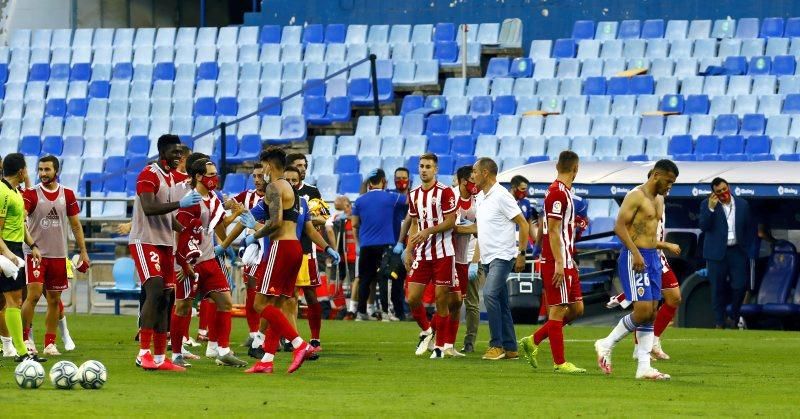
(277, 277)
(206, 276)
(640, 268)
(307, 191)
(151, 245)
(50, 207)
(464, 242)
(562, 286)
(13, 233)
(431, 255)
(249, 199)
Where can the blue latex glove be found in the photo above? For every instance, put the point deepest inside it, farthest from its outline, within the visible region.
(333, 254)
(190, 199)
(537, 250)
(249, 239)
(247, 220)
(219, 251)
(231, 253)
(473, 271)
(398, 248)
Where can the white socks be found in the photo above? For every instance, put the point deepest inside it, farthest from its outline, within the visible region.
(223, 351)
(159, 359)
(622, 329)
(258, 340)
(296, 342)
(645, 336)
(142, 352)
(268, 357)
(352, 306)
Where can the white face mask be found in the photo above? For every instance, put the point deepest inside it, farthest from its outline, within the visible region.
(266, 178)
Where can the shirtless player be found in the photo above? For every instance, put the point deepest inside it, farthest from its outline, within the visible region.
(639, 267)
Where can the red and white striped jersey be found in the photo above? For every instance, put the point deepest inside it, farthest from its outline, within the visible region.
(430, 207)
(211, 212)
(465, 244)
(248, 198)
(558, 205)
(661, 236)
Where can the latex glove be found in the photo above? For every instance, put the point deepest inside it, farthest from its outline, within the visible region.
(219, 251)
(537, 250)
(333, 254)
(473, 271)
(247, 220)
(190, 199)
(249, 239)
(398, 248)
(231, 253)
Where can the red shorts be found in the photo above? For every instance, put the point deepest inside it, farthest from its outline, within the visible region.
(278, 275)
(462, 276)
(440, 271)
(429, 296)
(570, 290)
(669, 280)
(152, 261)
(52, 272)
(210, 279)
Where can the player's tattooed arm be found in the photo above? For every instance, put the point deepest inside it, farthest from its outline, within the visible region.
(274, 203)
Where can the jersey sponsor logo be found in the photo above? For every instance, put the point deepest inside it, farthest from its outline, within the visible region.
(557, 206)
(51, 220)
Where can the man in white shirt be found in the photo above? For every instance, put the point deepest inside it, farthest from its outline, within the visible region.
(501, 249)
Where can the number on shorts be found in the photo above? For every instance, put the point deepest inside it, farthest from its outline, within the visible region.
(154, 257)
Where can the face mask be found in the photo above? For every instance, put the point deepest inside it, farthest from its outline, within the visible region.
(472, 188)
(520, 194)
(401, 185)
(724, 196)
(210, 182)
(266, 178)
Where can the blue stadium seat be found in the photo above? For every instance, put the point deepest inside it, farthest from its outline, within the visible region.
(138, 146)
(293, 128)
(164, 71)
(350, 183)
(270, 34)
(437, 124)
(653, 28)
(231, 147)
(412, 163)
(791, 104)
(792, 29)
(790, 157)
(439, 144)
(59, 71)
(783, 65)
(205, 106)
(680, 144)
(747, 28)
(39, 72)
(95, 178)
(99, 89)
(461, 125)
(464, 160)
(758, 145)
(122, 71)
(735, 66)
(727, 124)
(436, 103)
(446, 165)
(484, 125)
(521, 67)
(463, 145)
(234, 183)
(505, 105)
(30, 146)
(80, 72)
(594, 86)
(114, 166)
(227, 106)
(347, 164)
(759, 66)
(652, 125)
(706, 144)
(731, 144)
(56, 107)
(314, 108)
(52, 145)
(630, 29)
(446, 52)
(583, 29)
(773, 295)
(642, 85)
(671, 103)
(753, 124)
(249, 149)
(339, 110)
(772, 27)
(335, 33)
(696, 104)
(207, 71)
(269, 106)
(313, 34)
(565, 48)
(73, 146)
(480, 105)
(498, 67)
(445, 32)
(360, 91)
(412, 103)
(618, 86)
(413, 124)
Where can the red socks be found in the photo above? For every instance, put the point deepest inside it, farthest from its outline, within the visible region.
(26, 333)
(314, 314)
(278, 323)
(421, 317)
(541, 333)
(665, 315)
(179, 327)
(455, 318)
(223, 321)
(145, 337)
(252, 315)
(207, 311)
(271, 341)
(442, 329)
(49, 339)
(159, 343)
(556, 332)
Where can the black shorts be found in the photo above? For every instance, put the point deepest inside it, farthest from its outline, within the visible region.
(18, 283)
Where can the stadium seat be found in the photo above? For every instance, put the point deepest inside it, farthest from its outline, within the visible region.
(791, 104)
(521, 67)
(439, 144)
(583, 29)
(564, 48)
(594, 86)
(498, 67)
(759, 66)
(411, 103)
(654, 28)
(731, 145)
(463, 145)
(672, 103)
(782, 145)
(753, 124)
(776, 283)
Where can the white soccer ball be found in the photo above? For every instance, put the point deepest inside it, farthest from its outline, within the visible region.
(92, 375)
(64, 375)
(29, 374)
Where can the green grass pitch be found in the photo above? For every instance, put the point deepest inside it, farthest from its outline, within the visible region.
(369, 369)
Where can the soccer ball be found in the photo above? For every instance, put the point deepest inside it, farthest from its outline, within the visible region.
(64, 375)
(92, 375)
(29, 374)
